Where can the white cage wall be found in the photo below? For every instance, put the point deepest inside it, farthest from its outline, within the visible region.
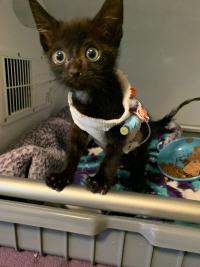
(42, 96)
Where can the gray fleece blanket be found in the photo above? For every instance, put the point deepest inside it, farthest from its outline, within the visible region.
(40, 152)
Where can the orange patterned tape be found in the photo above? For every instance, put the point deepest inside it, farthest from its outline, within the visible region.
(142, 113)
(133, 91)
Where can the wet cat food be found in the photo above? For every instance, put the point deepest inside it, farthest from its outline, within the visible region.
(190, 169)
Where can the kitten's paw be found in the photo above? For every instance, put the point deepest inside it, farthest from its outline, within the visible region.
(105, 188)
(95, 186)
(92, 185)
(56, 182)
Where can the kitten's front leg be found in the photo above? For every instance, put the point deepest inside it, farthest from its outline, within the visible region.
(77, 143)
(104, 178)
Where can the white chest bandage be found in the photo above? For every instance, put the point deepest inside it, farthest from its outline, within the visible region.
(97, 127)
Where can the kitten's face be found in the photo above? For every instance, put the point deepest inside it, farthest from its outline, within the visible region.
(78, 56)
(81, 52)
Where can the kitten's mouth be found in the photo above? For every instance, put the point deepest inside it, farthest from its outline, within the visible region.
(74, 82)
(77, 83)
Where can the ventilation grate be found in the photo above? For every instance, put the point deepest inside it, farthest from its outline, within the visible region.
(18, 84)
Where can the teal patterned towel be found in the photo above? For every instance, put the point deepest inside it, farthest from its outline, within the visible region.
(158, 184)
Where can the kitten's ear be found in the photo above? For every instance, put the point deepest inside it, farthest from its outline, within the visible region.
(109, 21)
(45, 23)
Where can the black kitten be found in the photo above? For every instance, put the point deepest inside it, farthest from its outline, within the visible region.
(83, 54)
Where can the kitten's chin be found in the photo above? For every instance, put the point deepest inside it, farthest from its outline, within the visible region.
(77, 85)
(76, 88)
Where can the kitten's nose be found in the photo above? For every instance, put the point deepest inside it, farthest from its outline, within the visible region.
(74, 70)
(74, 73)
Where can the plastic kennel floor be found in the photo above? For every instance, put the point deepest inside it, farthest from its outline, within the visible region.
(117, 238)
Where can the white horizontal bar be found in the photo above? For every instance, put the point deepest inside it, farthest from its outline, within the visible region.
(123, 202)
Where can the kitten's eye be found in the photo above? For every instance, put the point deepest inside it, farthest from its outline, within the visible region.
(59, 57)
(92, 54)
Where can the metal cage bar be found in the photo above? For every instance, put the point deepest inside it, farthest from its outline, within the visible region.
(123, 202)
